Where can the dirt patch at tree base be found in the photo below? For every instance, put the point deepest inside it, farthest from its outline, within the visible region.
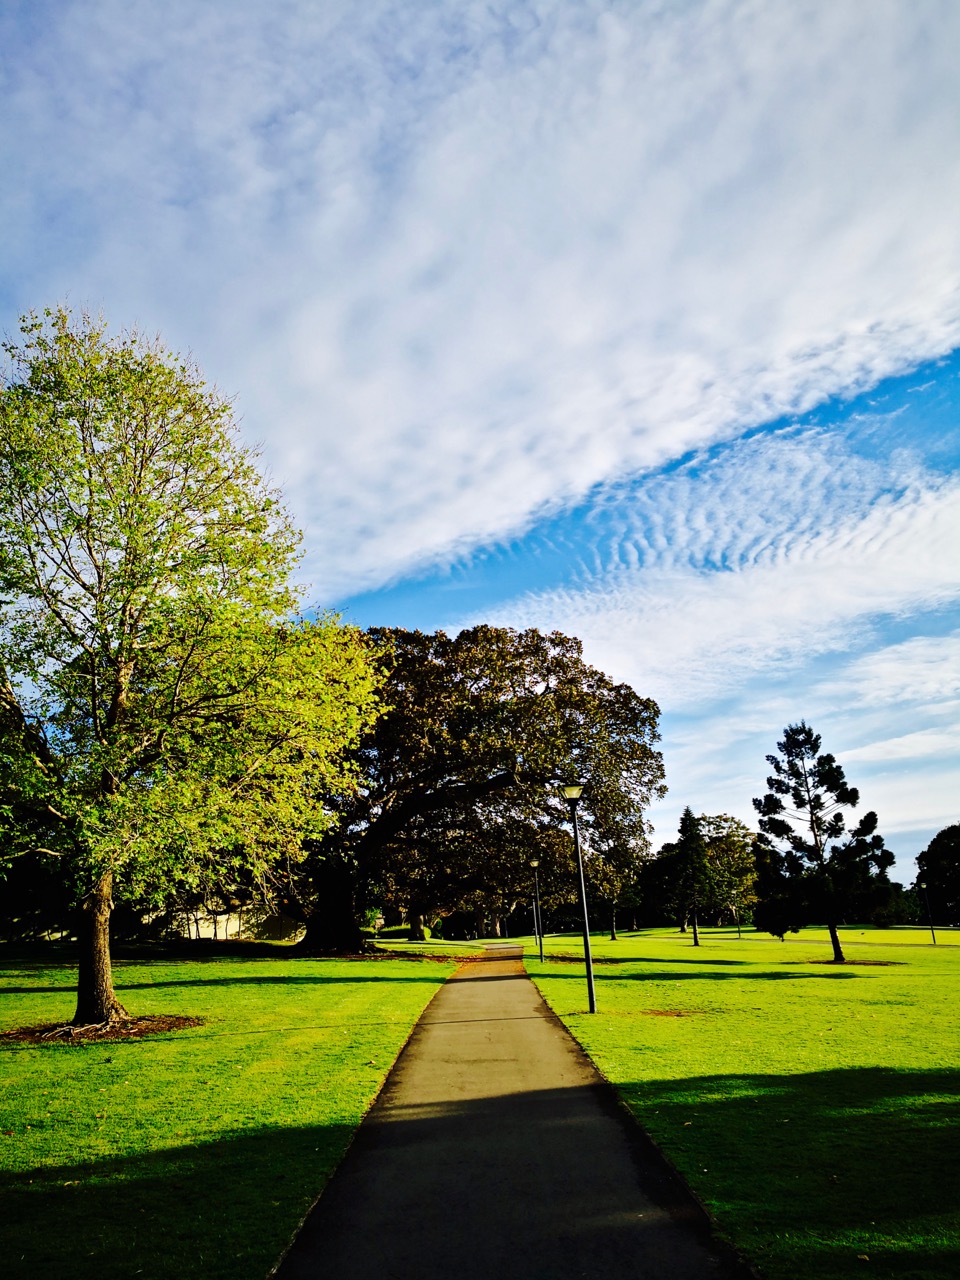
(124, 1029)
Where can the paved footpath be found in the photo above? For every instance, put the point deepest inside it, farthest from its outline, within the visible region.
(495, 1148)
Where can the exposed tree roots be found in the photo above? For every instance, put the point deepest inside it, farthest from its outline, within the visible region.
(117, 1029)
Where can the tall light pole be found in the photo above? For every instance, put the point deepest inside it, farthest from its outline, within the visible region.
(537, 917)
(922, 886)
(572, 796)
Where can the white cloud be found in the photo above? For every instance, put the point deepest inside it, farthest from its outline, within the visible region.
(709, 584)
(754, 588)
(923, 671)
(924, 744)
(463, 262)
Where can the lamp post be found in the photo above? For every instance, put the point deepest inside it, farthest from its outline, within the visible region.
(537, 917)
(572, 796)
(922, 886)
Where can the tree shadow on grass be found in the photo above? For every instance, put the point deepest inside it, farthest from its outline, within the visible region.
(223, 1209)
(812, 1173)
(684, 975)
(660, 960)
(262, 980)
(258, 980)
(807, 1172)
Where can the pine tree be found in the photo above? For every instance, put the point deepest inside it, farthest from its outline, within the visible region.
(694, 885)
(810, 866)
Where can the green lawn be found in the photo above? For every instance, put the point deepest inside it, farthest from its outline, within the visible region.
(813, 1108)
(432, 947)
(196, 1152)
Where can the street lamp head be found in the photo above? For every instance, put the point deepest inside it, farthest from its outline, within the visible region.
(574, 792)
(534, 862)
(921, 884)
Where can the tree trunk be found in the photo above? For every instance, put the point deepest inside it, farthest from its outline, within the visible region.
(838, 956)
(417, 931)
(696, 931)
(96, 1000)
(613, 922)
(329, 933)
(332, 928)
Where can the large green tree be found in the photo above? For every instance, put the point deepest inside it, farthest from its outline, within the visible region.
(459, 777)
(810, 866)
(733, 866)
(709, 871)
(162, 710)
(938, 868)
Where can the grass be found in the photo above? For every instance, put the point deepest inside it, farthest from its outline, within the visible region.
(432, 947)
(198, 1151)
(813, 1108)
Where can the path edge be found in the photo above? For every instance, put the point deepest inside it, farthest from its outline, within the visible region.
(658, 1174)
(374, 1103)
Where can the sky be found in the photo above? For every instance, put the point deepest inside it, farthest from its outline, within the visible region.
(636, 320)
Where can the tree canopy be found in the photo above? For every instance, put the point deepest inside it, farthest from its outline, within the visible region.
(709, 870)
(162, 708)
(694, 883)
(810, 866)
(460, 774)
(732, 864)
(938, 867)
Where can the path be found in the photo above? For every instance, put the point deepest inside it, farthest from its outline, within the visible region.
(495, 1149)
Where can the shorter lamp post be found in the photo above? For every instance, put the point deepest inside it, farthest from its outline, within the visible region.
(572, 796)
(922, 886)
(537, 917)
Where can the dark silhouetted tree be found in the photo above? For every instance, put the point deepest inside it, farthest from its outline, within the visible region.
(939, 869)
(460, 774)
(694, 884)
(810, 867)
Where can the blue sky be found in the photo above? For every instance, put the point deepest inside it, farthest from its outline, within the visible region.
(637, 320)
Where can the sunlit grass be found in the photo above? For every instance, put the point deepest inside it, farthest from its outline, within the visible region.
(200, 1151)
(813, 1107)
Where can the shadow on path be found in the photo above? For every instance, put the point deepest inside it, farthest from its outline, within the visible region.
(496, 1148)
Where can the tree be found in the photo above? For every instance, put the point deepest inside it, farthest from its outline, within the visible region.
(165, 718)
(732, 864)
(694, 883)
(809, 865)
(939, 869)
(459, 776)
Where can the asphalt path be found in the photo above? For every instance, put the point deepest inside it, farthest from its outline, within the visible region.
(495, 1148)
